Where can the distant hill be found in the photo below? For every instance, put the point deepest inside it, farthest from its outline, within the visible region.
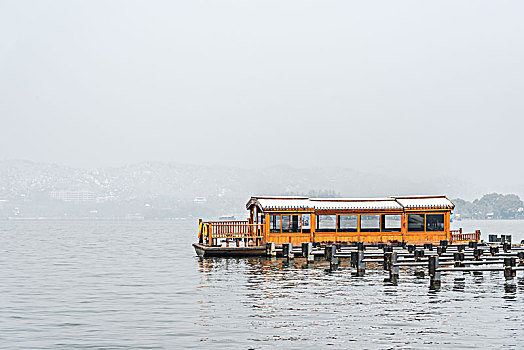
(175, 186)
(490, 206)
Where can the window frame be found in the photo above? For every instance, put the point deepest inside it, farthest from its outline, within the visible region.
(317, 223)
(370, 229)
(339, 229)
(423, 222)
(274, 218)
(383, 223)
(272, 221)
(443, 222)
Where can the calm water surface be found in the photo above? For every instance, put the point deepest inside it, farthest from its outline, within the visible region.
(118, 285)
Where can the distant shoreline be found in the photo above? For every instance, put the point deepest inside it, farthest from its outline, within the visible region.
(91, 219)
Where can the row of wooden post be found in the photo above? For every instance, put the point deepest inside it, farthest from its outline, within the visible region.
(392, 265)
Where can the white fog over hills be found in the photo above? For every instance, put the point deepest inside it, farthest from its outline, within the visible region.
(154, 179)
(161, 189)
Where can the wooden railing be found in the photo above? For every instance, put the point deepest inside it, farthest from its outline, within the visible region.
(459, 236)
(216, 232)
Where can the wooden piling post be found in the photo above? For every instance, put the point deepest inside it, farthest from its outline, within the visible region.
(419, 254)
(493, 250)
(520, 256)
(477, 253)
(307, 252)
(361, 265)
(458, 258)
(509, 264)
(506, 247)
(327, 253)
(387, 257)
(354, 259)
(434, 275)
(287, 251)
(333, 263)
(393, 268)
(270, 250)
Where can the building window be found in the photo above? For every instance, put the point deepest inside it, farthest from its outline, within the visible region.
(347, 223)
(291, 223)
(435, 222)
(391, 223)
(285, 223)
(295, 223)
(306, 223)
(416, 222)
(274, 223)
(326, 223)
(369, 223)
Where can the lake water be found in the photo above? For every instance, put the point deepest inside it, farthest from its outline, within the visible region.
(138, 284)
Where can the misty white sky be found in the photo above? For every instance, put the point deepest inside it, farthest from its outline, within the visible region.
(413, 88)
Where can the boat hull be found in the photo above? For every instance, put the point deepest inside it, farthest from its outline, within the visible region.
(204, 251)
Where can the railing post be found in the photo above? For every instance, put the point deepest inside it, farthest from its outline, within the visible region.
(210, 234)
(200, 233)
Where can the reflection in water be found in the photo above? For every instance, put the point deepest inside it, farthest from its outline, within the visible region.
(510, 289)
(287, 304)
(478, 277)
(459, 284)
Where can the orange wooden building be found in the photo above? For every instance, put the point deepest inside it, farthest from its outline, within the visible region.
(410, 219)
(398, 219)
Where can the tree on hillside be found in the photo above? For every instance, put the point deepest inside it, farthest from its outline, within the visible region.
(492, 205)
